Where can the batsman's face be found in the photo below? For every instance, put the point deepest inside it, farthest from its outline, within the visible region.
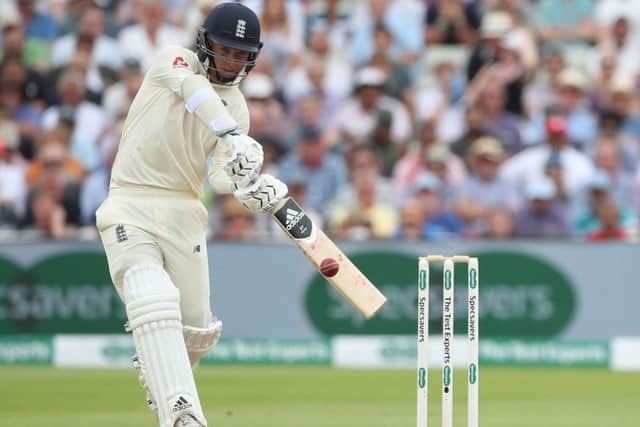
(227, 63)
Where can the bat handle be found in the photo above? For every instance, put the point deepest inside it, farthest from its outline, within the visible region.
(280, 203)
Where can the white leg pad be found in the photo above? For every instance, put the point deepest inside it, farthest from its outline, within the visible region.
(153, 309)
(201, 341)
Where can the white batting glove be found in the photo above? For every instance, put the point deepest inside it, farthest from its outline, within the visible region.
(262, 195)
(246, 159)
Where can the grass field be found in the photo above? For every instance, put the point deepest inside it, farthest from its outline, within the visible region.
(306, 397)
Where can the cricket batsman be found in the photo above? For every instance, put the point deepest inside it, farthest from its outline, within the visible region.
(152, 224)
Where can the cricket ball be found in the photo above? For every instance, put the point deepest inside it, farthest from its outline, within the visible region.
(329, 267)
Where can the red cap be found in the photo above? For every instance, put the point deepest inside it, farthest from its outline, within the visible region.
(556, 125)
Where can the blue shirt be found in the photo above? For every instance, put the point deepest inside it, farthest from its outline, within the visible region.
(442, 226)
(582, 128)
(406, 29)
(562, 13)
(42, 27)
(322, 184)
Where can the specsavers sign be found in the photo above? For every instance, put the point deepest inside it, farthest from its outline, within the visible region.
(520, 295)
(61, 293)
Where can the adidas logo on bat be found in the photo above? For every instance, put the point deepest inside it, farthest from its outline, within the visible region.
(293, 217)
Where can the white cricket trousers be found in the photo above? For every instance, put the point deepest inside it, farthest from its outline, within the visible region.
(166, 229)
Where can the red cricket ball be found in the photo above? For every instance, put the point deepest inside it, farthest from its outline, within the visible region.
(329, 267)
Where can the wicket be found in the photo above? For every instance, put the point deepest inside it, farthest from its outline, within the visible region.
(447, 337)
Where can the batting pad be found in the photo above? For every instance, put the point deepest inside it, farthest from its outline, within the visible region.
(153, 309)
(200, 341)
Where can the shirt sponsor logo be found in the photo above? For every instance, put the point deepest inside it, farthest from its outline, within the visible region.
(179, 62)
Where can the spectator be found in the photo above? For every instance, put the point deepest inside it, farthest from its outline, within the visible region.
(102, 50)
(362, 161)
(41, 30)
(568, 22)
(452, 22)
(355, 227)
(273, 151)
(322, 69)
(332, 15)
(494, 26)
(608, 11)
(260, 92)
(412, 219)
(484, 190)
(621, 100)
(36, 87)
(368, 108)
(69, 13)
(379, 217)
(238, 224)
(439, 223)
(143, 41)
(282, 36)
(608, 157)
(118, 97)
(531, 164)
(70, 167)
(571, 100)
(13, 190)
(473, 128)
(69, 70)
(195, 15)
(610, 124)
(87, 119)
(448, 167)
(601, 82)
(500, 224)
(324, 172)
(310, 110)
(12, 41)
(620, 42)
(541, 217)
(95, 187)
(507, 70)
(498, 121)
(610, 228)
(522, 31)
(540, 93)
(401, 17)
(439, 94)
(397, 75)
(424, 157)
(597, 193)
(381, 144)
(16, 108)
(53, 204)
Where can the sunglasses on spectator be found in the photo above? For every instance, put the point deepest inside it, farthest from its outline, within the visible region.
(52, 163)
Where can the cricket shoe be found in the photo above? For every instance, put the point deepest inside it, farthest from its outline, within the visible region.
(187, 421)
(137, 363)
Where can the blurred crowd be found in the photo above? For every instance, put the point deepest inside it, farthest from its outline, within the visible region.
(388, 119)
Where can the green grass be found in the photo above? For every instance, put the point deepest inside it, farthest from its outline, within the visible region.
(306, 397)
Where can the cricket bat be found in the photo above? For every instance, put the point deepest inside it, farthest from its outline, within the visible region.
(327, 258)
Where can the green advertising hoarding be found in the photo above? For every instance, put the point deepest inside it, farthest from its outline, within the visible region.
(65, 293)
(26, 350)
(527, 290)
(520, 296)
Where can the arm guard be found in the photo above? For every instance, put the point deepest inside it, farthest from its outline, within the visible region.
(201, 100)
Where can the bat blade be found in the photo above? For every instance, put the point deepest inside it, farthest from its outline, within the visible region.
(349, 281)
